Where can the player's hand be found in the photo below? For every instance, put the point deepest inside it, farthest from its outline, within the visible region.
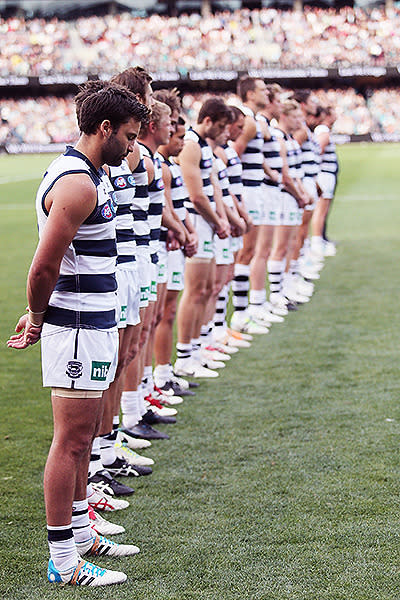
(172, 242)
(27, 334)
(240, 228)
(224, 229)
(191, 245)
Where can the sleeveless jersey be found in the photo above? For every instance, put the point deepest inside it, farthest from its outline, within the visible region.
(157, 200)
(178, 191)
(293, 156)
(329, 162)
(234, 170)
(85, 293)
(123, 183)
(223, 181)
(205, 168)
(309, 156)
(140, 208)
(271, 152)
(253, 158)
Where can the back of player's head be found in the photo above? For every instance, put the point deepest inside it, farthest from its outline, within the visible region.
(216, 109)
(245, 85)
(136, 79)
(158, 110)
(301, 96)
(289, 106)
(169, 97)
(109, 102)
(273, 90)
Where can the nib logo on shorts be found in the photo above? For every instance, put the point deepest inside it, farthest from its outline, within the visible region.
(176, 277)
(99, 370)
(207, 246)
(124, 309)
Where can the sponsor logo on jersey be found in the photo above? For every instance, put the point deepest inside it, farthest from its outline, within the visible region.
(207, 163)
(222, 174)
(131, 180)
(74, 369)
(107, 212)
(160, 184)
(178, 181)
(99, 370)
(120, 182)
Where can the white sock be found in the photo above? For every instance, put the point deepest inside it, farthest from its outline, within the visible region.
(95, 464)
(63, 551)
(258, 296)
(162, 374)
(83, 533)
(130, 408)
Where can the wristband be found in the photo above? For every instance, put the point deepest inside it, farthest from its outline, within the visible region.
(35, 318)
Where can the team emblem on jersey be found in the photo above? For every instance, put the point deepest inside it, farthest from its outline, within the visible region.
(74, 369)
(120, 182)
(234, 160)
(131, 180)
(107, 212)
(160, 184)
(178, 181)
(222, 174)
(207, 163)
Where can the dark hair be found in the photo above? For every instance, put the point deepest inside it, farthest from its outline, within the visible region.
(170, 98)
(246, 84)
(301, 96)
(216, 109)
(136, 79)
(87, 89)
(109, 102)
(321, 110)
(181, 121)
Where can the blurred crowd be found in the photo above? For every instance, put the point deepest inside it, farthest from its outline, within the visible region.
(52, 120)
(256, 39)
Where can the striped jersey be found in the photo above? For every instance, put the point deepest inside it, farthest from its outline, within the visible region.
(252, 157)
(293, 155)
(85, 293)
(140, 208)
(157, 200)
(234, 170)
(271, 152)
(329, 162)
(223, 181)
(310, 158)
(123, 183)
(205, 165)
(178, 190)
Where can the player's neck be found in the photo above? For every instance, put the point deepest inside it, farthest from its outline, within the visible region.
(89, 146)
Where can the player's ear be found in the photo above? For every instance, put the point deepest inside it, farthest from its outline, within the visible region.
(106, 128)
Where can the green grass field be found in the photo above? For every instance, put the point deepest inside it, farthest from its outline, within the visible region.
(279, 482)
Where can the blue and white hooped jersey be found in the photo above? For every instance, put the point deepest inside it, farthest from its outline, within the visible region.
(293, 156)
(271, 152)
(310, 157)
(234, 170)
(179, 193)
(124, 186)
(206, 162)
(253, 158)
(329, 161)
(140, 208)
(223, 181)
(157, 200)
(85, 293)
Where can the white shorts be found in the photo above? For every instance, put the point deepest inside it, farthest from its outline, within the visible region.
(291, 213)
(223, 251)
(153, 281)
(176, 270)
(128, 295)
(310, 185)
(144, 275)
(252, 199)
(271, 205)
(81, 359)
(327, 183)
(162, 273)
(205, 234)
(236, 244)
